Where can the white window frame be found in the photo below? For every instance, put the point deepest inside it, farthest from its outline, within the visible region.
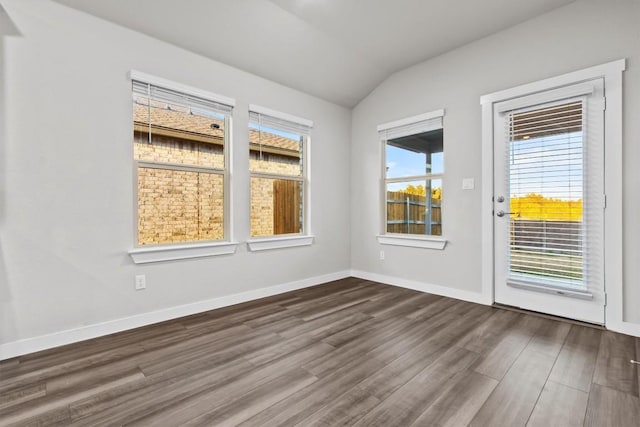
(411, 240)
(305, 238)
(184, 250)
(611, 72)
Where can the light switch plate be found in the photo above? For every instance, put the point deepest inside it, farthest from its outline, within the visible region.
(468, 184)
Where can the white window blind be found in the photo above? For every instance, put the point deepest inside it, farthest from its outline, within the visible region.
(411, 126)
(163, 94)
(555, 208)
(301, 127)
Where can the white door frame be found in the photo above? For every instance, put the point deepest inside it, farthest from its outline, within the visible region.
(612, 74)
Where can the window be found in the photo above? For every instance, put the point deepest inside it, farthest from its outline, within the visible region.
(277, 164)
(180, 149)
(413, 172)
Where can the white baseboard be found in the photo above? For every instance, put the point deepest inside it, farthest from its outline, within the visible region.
(57, 339)
(424, 287)
(44, 342)
(626, 328)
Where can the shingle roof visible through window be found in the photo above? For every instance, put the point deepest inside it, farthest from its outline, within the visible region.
(173, 117)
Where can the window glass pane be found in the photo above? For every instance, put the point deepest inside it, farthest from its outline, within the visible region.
(179, 206)
(437, 163)
(275, 152)
(276, 206)
(546, 184)
(410, 211)
(415, 155)
(167, 132)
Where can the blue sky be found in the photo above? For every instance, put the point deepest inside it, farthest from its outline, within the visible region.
(407, 163)
(550, 166)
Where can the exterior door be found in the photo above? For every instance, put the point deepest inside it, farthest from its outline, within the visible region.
(549, 202)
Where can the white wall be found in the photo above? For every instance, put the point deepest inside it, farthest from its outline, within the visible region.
(66, 177)
(582, 34)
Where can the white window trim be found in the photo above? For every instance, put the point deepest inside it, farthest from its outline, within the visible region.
(409, 240)
(197, 249)
(611, 72)
(183, 251)
(413, 241)
(279, 242)
(287, 240)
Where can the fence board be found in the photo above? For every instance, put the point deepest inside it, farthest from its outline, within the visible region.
(286, 206)
(407, 214)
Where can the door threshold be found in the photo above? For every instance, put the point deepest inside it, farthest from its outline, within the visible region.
(549, 316)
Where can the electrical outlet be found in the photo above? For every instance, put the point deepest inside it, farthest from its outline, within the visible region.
(381, 255)
(141, 282)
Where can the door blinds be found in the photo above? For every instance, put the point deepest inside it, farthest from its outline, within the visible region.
(555, 218)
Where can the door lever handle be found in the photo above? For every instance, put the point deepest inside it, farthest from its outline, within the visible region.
(503, 213)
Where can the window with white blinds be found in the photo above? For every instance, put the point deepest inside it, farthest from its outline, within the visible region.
(551, 205)
(180, 138)
(277, 165)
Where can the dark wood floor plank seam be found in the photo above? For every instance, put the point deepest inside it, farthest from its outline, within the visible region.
(611, 407)
(310, 399)
(158, 389)
(559, 405)
(58, 403)
(407, 403)
(377, 399)
(424, 359)
(546, 381)
(613, 366)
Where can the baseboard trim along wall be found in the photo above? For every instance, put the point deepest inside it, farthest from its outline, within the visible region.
(70, 336)
(424, 287)
(627, 328)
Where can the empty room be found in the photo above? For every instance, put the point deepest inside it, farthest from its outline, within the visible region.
(320, 213)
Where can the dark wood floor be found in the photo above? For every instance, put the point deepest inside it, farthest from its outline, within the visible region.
(350, 352)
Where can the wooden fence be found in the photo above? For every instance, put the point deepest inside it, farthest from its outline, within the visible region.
(553, 236)
(286, 206)
(409, 214)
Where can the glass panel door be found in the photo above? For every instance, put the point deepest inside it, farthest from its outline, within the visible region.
(548, 210)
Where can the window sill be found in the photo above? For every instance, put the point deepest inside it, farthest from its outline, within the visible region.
(268, 243)
(413, 241)
(185, 251)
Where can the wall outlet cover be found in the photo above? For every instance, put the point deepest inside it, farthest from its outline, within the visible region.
(141, 282)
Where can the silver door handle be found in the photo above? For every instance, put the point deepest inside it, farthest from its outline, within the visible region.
(503, 213)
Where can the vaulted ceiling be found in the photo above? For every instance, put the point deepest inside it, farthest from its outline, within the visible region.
(338, 50)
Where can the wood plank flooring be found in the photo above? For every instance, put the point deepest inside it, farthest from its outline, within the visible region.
(349, 352)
